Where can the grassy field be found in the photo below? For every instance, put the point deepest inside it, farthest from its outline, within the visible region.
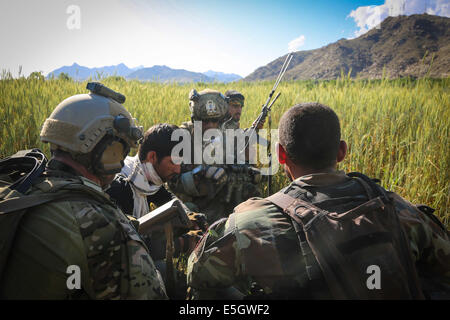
(397, 131)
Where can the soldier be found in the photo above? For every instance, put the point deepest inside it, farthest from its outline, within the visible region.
(323, 235)
(90, 135)
(208, 106)
(235, 105)
(198, 185)
(210, 189)
(236, 101)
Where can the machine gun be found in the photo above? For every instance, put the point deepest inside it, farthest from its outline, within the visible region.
(266, 108)
(265, 111)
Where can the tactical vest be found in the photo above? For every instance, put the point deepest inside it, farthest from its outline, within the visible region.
(17, 198)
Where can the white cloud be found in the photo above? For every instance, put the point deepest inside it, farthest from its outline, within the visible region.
(369, 17)
(295, 44)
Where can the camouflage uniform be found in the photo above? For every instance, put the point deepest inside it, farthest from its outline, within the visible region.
(257, 244)
(94, 235)
(90, 135)
(233, 96)
(216, 199)
(230, 124)
(209, 196)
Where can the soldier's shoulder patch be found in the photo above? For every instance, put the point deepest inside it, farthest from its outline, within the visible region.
(211, 108)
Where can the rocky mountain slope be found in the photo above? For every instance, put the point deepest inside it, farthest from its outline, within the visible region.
(415, 46)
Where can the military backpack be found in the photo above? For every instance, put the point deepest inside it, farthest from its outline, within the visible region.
(17, 175)
(351, 249)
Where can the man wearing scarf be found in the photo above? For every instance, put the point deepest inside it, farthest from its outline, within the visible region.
(141, 182)
(142, 177)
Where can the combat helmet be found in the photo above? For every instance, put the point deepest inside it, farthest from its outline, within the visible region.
(207, 105)
(94, 128)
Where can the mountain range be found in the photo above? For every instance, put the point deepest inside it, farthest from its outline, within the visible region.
(155, 73)
(401, 46)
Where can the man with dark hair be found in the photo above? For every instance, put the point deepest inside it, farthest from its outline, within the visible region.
(326, 235)
(235, 105)
(311, 135)
(141, 180)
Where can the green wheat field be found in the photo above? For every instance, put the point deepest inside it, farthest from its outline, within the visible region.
(397, 130)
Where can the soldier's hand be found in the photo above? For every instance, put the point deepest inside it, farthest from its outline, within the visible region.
(188, 241)
(260, 125)
(217, 174)
(198, 221)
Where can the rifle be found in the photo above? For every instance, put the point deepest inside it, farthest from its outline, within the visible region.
(171, 215)
(265, 111)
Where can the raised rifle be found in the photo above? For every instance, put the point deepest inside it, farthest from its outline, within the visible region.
(265, 111)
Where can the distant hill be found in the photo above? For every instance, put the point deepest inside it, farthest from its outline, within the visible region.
(403, 46)
(155, 73)
(166, 74)
(222, 77)
(80, 73)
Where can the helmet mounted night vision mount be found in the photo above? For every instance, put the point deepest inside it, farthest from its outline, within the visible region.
(101, 90)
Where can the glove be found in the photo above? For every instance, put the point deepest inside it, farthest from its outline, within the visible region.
(217, 174)
(198, 221)
(189, 240)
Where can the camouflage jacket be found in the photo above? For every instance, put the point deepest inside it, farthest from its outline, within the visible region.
(94, 235)
(216, 199)
(258, 244)
(230, 124)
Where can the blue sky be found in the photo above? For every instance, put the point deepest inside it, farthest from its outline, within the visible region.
(229, 36)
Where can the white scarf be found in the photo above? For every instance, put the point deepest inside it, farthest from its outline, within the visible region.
(144, 181)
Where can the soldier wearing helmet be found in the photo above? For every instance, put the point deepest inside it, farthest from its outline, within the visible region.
(208, 106)
(82, 246)
(235, 101)
(203, 187)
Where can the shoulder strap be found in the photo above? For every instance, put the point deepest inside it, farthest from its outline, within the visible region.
(72, 191)
(299, 210)
(25, 202)
(301, 213)
(372, 189)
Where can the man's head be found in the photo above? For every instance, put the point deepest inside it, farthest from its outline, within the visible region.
(235, 103)
(156, 148)
(92, 133)
(310, 140)
(208, 106)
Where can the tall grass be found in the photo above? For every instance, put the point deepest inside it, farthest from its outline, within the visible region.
(396, 130)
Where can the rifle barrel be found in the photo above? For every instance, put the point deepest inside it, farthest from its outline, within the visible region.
(283, 70)
(273, 101)
(266, 107)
